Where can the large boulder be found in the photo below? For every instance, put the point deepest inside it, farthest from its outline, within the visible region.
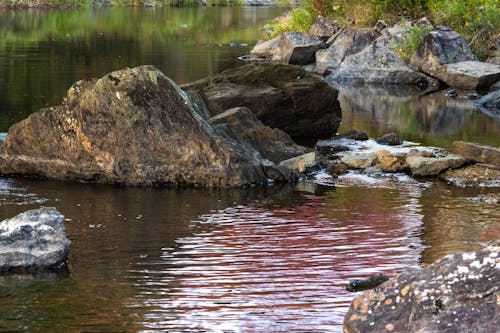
(458, 293)
(133, 127)
(33, 240)
(478, 153)
(266, 50)
(281, 96)
(296, 48)
(441, 46)
(347, 43)
(444, 54)
(378, 64)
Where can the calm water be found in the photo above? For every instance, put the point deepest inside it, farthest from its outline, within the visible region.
(259, 260)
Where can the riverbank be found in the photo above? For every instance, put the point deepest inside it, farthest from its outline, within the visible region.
(25, 4)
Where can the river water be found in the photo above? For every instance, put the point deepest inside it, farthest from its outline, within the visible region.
(272, 259)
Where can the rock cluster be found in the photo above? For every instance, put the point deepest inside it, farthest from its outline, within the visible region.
(137, 127)
(471, 164)
(368, 56)
(33, 240)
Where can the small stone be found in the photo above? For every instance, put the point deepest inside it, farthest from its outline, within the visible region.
(353, 134)
(389, 139)
(451, 93)
(389, 327)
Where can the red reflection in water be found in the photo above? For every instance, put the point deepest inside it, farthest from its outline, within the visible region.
(277, 270)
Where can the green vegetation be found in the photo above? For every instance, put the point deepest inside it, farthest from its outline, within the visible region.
(477, 20)
(414, 36)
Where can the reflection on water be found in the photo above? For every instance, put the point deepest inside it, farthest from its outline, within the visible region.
(43, 52)
(260, 260)
(432, 119)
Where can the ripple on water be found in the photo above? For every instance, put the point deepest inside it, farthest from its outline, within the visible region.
(256, 269)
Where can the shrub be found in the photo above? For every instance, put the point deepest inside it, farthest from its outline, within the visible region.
(407, 46)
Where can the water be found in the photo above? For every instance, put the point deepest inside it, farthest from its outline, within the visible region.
(272, 259)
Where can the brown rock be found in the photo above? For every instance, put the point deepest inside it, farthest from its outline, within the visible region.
(133, 127)
(389, 162)
(472, 175)
(281, 96)
(478, 153)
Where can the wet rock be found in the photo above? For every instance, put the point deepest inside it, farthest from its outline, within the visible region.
(354, 135)
(337, 168)
(281, 96)
(366, 284)
(421, 153)
(478, 153)
(490, 101)
(473, 175)
(359, 160)
(454, 294)
(299, 164)
(34, 240)
(131, 127)
(490, 199)
(329, 150)
(389, 139)
(324, 28)
(389, 162)
(493, 60)
(451, 93)
(472, 96)
(296, 48)
(241, 124)
(378, 64)
(433, 166)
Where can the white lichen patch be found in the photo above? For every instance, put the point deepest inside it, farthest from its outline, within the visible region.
(469, 256)
(462, 269)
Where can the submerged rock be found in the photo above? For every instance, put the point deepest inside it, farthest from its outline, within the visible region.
(132, 127)
(33, 240)
(454, 294)
(472, 175)
(360, 285)
(281, 96)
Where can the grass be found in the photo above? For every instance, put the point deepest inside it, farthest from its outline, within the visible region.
(407, 46)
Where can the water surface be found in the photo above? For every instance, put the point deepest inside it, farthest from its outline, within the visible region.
(272, 259)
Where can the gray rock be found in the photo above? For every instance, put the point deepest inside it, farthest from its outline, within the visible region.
(359, 160)
(490, 101)
(389, 139)
(470, 74)
(281, 96)
(380, 26)
(324, 28)
(33, 240)
(299, 164)
(337, 168)
(267, 50)
(378, 64)
(433, 166)
(440, 47)
(458, 293)
(493, 60)
(478, 153)
(296, 48)
(347, 43)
